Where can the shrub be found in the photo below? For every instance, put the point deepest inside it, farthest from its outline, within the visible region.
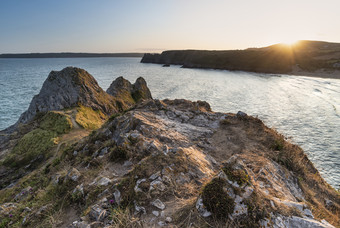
(217, 200)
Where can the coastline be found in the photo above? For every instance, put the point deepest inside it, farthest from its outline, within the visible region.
(317, 74)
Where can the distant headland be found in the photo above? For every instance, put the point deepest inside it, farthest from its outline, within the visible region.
(69, 55)
(308, 58)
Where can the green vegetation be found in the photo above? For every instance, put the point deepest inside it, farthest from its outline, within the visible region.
(89, 119)
(237, 175)
(217, 200)
(56, 122)
(33, 145)
(278, 144)
(36, 144)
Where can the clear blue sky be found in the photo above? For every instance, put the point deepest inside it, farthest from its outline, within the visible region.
(156, 25)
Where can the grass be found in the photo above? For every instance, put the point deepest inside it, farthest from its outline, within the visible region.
(89, 119)
(56, 122)
(122, 217)
(36, 144)
(31, 146)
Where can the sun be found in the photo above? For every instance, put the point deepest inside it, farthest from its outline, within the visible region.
(289, 42)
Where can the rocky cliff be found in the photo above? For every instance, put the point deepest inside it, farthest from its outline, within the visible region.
(302, 58)
(69, 88)
(171, 163)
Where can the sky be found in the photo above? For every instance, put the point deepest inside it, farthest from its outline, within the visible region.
(105, 26)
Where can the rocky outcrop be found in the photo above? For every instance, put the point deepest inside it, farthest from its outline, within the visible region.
(129, 93)
(68, 88)
(173, 163)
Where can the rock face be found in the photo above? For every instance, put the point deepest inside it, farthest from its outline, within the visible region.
(130, 93)
(68, 88)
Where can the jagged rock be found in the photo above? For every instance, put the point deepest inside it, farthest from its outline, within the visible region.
(129, 93)
(67, 88)
(241, 114)
(140, 90)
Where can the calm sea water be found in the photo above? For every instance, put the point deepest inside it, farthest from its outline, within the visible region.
(303, 108)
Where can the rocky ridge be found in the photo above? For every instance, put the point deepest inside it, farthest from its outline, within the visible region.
(172, 163)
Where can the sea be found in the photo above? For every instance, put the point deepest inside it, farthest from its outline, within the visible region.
(304, 109)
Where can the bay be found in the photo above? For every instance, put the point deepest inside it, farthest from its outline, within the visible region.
(304, 109)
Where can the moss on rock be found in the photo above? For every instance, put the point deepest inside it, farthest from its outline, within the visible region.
(237, 175)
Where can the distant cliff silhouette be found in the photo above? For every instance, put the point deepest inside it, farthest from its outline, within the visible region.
(307, 56)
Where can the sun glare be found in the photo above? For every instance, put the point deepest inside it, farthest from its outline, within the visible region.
(289, 42)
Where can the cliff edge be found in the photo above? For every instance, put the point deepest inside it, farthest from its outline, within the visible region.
(161, 163)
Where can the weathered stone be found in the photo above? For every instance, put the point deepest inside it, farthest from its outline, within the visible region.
(73, 174)
(79, 189)
(117, 196)
(137, 189)
(97, 213)
(155, 213)
(104, 181)
(201, 208)
(159, 204)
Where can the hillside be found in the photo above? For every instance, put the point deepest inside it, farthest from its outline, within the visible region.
(153, 163)
(302, 58)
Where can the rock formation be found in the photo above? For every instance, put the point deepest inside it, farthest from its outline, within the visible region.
(129, 93)
(68, 88)
(171, 163)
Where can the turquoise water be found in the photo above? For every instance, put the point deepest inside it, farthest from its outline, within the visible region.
(305, 109)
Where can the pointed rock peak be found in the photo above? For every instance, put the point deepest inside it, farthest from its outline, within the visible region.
(141, 90)
(129, 93)
(68, 88)
(120, 85)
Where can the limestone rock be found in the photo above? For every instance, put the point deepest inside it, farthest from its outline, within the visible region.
(159, 204)
(129, 93)
(69, 88)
